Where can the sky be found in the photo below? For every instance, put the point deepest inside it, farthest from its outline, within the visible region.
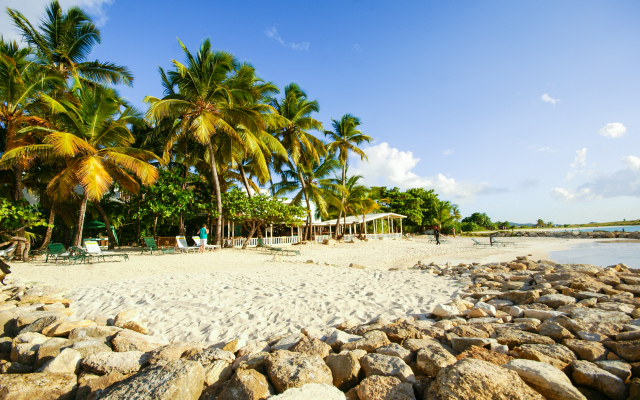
(522, 110)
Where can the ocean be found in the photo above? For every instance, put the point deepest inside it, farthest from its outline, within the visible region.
(602, 254)
(629, 228)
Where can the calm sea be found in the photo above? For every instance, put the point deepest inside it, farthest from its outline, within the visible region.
(601, 254)
(630, 228)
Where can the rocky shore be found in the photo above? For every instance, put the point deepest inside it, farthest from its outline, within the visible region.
(570, 234)
(518, 330)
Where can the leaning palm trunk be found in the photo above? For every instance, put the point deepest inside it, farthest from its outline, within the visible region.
(112, 238)
(344, 172)
(245, 182)
(216, 185)
(18, 196)
(306, 198)
(47, 236)
(77, 241)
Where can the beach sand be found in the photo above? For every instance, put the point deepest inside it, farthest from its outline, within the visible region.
(215, 297)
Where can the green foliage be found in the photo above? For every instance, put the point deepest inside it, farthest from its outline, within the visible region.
(480, 219)
(17, 215)
(470, 227)
(260, 209)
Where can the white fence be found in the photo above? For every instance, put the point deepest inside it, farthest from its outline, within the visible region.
(321, 238)
(253, 242)
(384, 236)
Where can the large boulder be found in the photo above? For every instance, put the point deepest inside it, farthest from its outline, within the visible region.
(90, 386)
(628, 350)
(173, 380)
(394, 349)
(62, 329)
(338, 338)
(247, 384)
(479, 380)
(312, 347)
(287, 342)
(173, 351)
(586, 315)
(128, 340)
(433, 357)
(344, 369)
(311, 391)
(127, 362)
(131, 319)
(384, 387)
(514, 338)
(369, 343)
(383, 365)
(38, 386)
(555, 354)
(588, 374)
(288, 369)
(94, 332)
(586, 349)
(545, 379)
(556, 300)
(67, 362)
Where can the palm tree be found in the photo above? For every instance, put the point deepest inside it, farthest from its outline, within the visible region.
(203, 105)
(303, 148)
(91, 137)
(443, 214)
(346, 138)
(63, 42)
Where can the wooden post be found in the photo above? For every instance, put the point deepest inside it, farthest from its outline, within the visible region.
(401, 226)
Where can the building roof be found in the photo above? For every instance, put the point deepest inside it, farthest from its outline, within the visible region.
(353, 219)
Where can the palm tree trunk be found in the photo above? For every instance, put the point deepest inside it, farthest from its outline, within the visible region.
(306, 198)
(18, 196)
(112, 239)
(155, 225)
(254, 227)
(273, 192)
(77, 241)
(337, 227)
(47, 236)
(181, 230)
(245, 181)
(216, 185)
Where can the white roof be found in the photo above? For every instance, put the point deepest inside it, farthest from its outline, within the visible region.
(358, 219)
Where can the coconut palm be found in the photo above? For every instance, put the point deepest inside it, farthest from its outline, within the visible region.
(91, 138)
(346, 138)
(444, 216)
(63, 41)
(202, 106)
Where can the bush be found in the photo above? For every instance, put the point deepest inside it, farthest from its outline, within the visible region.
(471, 227)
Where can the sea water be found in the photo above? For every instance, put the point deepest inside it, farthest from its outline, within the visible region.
(601, 254)
(628, 228)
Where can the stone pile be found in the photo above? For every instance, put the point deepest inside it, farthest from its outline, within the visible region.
(520, 330)
(572, 234)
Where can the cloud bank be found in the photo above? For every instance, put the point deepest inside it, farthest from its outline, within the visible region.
(273, 33)
(613, 130)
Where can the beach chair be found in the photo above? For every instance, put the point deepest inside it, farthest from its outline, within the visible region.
(276, 250)
(93, 248)
(150, 245)
(56, 251)
(211, 247)
(479, 244)
(79, 254)
(183, 246)
(504, 244)
(9, 250)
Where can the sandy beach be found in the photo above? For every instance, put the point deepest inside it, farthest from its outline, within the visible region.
(215, 297)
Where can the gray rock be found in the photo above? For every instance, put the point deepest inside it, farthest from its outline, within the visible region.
(67, 362)
(545, 379)
(556, 300)
(432, 358)
(338, 338)
(380, 364)
(287, 342)
(124, 363)
(461, 344)
(394, 349)
(588, 374)
(289, 369)
(618, 368)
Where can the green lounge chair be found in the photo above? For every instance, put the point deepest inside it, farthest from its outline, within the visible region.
(478, 244)
(56, 251)
(94, 249)
(276, 250)
(150, 245)
(504, 244)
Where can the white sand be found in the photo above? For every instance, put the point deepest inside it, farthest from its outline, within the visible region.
(217, 297)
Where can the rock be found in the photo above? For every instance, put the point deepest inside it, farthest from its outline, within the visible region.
(513, 338)
(403, 329)
(470, 331)
(380, 364)
(288, 369)
(312, 391)
(476, 313)
(67, 362)
(542, 315)
(287, 342)
(556, 300)
(413, 345)
(338, 338)
(314, 333)
(130, 319)
(556, 354)
(344, 369)
(127, 340)
(443, 310)
(172, 380)
(588, 374)
(124, 363)
(384, 387)
(432, 358)
(587, 350)
(545, 379)
(51, 348)
(460, 344)
(211, 354)
(44, 319)
(173, 351)
(394, 349)
(480, 353)
(618, 368)
(90, 346)
(91, 388)
(628, 350)
(37, 386)
(369, 343)
(43, 322)
(247, 385)
(253, 346)
(235, 345)
(586, 315)
(479, 380)
(312, 347)
(591, 336)
(64, 328)
(94, 332)
(554, 331)
(216, 372)
(519, 297)
(254, 361)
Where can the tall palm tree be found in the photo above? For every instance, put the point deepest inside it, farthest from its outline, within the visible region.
(346, 138)
(91, 137)
(63, 41)
(444, 214)
(203, 104)
(303, 148)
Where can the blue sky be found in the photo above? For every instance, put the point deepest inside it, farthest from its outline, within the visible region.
(490, 103)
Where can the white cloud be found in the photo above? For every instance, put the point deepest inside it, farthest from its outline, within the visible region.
(632, 162)
(581, 158)
(273, 33)
(357, 47)
(613, 130)
(548, 99)
(391, 167)
(544, 149)
(34, 11)
(447, 152)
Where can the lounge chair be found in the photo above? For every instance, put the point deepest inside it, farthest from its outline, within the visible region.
(504, 244)
(276, 250)
(93, 248)
(478, 244)
(79, 254)
(211, 247)
(432, 239)
(183, 246)
(56, 251)
(150, 245)
(11, 249)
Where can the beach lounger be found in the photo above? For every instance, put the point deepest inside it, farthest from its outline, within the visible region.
(56, 251)
(432, 239)
(150, 245)
(94, 249)
(504, 244)
(276, 250)
(183, 246)
(478, 244)
(79, 254)
(211, 247)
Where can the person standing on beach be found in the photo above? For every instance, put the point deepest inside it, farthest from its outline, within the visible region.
(453, 231)
(436, 233)
(204, 231)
